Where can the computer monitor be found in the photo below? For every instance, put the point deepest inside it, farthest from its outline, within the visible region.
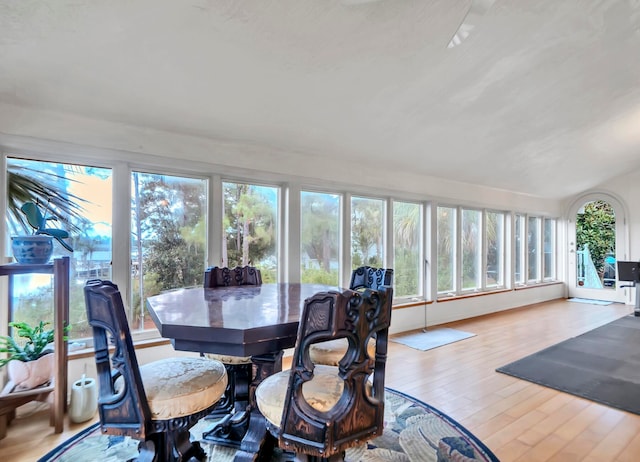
(629, 271)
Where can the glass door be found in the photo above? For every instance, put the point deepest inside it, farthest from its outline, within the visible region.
(597, 241)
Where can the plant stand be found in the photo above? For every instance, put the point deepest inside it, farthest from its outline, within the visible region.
(56, 392)
(10, 400)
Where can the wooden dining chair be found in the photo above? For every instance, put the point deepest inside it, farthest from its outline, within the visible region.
(322, 410)
(368, 277)
(221, 276)
(364, 277)
(239, 368)
(155, 403)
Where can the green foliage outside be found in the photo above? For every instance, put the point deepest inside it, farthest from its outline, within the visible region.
(596, 227)
(250, 225)
(446, 219)
(471, 247)
(169, 236)
(320, 238)
(406, 272)
(406, 242)
(319, 276)
(366, 233)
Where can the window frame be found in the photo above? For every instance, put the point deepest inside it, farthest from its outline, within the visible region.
(421, 281)
(502, 256)
(340, 220)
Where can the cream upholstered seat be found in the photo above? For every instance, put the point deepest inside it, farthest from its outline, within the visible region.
(177, 387)
(322, 410)
(238, 367)
(156, 403)
(331, 352)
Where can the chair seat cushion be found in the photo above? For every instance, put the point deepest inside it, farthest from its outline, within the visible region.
(181, 386)
(227, 359)
(322, 392)
(332, 351)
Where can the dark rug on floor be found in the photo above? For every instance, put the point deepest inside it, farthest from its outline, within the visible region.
(413, 432)
(601, 365)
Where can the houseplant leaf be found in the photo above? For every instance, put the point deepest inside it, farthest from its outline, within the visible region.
(34, 216)
(58, 235)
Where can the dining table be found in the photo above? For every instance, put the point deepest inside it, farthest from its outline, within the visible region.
(253, 321)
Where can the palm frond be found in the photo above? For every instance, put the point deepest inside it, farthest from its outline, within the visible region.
(28, 185)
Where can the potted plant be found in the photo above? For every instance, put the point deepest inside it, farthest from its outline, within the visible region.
(29, 363)
(38, 247)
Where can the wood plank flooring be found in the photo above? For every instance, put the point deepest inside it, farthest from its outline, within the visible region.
(519, 421)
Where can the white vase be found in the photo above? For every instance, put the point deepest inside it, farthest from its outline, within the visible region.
(84, 400)
(31, 374)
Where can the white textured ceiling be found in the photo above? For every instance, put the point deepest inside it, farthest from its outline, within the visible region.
(543, 96)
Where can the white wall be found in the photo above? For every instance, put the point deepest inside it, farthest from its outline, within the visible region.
(25, 130)
(405, 319)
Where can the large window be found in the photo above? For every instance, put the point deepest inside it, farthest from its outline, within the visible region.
(519, 249)
(549, 244)
(169, 229)
(168, 238)
(81, 198)
(495, 237)
(407, 254)
(367, 232)
(320, 237)
(534, 261)
(446, 249)
(250, 228)
(480, 236)
(534, 249)
(471, 226)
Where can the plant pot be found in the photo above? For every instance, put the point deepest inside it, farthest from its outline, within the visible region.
(33, 249)
(31, 374)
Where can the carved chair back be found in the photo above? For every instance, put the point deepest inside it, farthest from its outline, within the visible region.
(217, 276)
(359, 412)
(126, 411)
(367, 277)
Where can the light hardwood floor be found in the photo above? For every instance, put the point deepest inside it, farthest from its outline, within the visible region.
(519, 421)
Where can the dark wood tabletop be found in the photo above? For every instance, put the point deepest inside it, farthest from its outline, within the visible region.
(238, 320)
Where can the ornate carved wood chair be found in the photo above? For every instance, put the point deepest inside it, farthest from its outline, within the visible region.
(156, 403)
(216, 276)
(365, 277)
(239, 368)
(322, 410)
(371, 278)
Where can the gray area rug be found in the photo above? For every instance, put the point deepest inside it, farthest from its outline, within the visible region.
(589, 301)
(432, 338)
(601, 365)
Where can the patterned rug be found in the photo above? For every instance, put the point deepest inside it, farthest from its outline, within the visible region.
(414, 432)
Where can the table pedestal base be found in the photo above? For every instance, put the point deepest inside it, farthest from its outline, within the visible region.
(247, 430)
